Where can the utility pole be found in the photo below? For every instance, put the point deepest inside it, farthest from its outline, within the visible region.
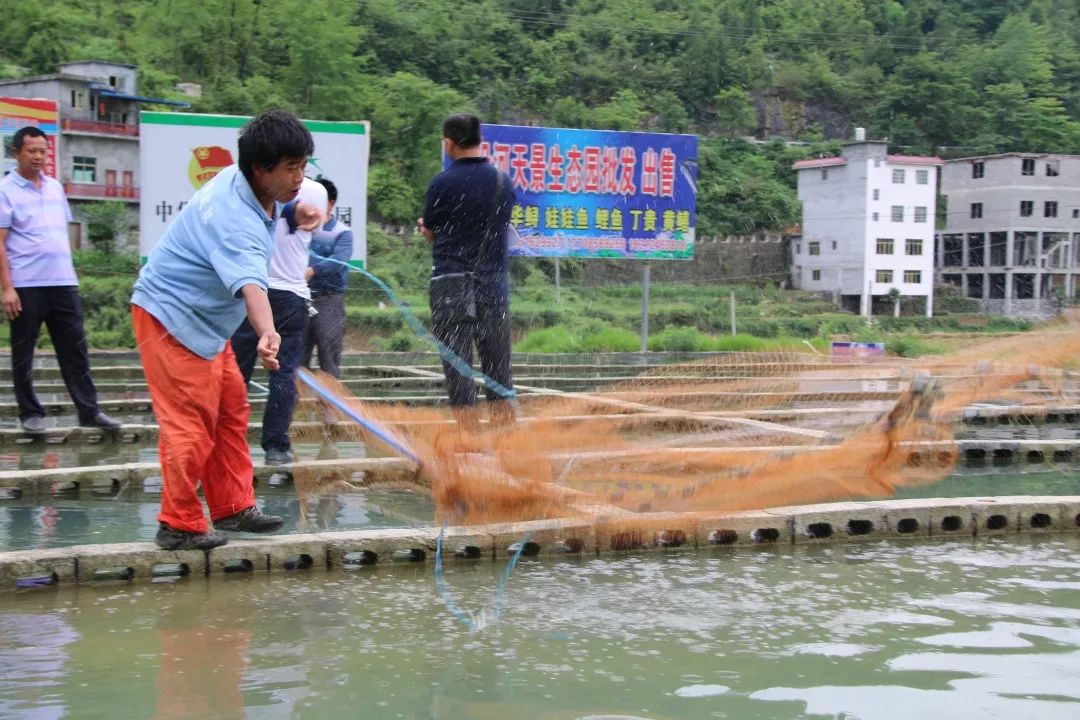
(645, 271)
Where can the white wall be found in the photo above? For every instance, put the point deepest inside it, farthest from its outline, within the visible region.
(908, 195)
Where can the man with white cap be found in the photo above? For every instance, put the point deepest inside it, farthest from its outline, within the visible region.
(290, 300)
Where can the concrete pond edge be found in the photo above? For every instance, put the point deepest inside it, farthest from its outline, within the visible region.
(921, 519)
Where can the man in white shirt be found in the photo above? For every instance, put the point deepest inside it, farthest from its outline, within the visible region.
(290, 299)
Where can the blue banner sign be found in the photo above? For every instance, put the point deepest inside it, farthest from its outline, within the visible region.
(598, 193)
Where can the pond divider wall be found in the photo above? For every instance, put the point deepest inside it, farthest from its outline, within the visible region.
(355, 550)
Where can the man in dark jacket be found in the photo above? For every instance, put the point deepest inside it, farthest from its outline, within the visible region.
(467, 218)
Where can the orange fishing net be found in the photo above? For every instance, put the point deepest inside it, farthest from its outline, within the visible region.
(736, 431)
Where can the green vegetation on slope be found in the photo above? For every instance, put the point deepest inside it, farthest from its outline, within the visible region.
(951, 76)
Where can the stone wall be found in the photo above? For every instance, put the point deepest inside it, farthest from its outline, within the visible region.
(1028, 308)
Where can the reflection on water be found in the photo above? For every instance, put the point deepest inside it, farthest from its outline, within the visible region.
(60, 522)
(873, 631)
(317, 504)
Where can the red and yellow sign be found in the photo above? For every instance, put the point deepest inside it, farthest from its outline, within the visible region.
(16, 113)
(206, 162)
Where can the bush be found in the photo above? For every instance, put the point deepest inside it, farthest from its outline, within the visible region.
(375, 319)
(556, 339)
(401, 341)
(835, 324)
(758, 328)
(799, 327)
(678, 339)
(739, 343)
(910, 346)
(949, 299)
(674, 314)
(531, 315)
(1001, 323)
(98, 262)
(592, 336)
(105, 292)
(869, 332)
(610, 339)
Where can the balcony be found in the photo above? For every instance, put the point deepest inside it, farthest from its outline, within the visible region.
(94, 191)
(99, 128)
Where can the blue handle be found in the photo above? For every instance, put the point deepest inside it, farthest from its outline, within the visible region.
(379, 432)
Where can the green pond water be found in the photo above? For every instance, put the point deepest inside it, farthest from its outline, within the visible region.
(987, 629)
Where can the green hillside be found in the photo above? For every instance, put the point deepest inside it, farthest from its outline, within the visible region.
(945, 76)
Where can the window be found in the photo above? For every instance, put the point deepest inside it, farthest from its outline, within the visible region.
(1076, 214)
(913, 276)
(877, 194)
(920, 214)
(824, 173)
(1052, 168)
(922, 177)
(83, 169)
(884, 246)
(898, 177)
(114, 81)
(1050, 208)
(815, 275)
(976, 211)
(833, 244)
(875, 217)
(898, 213)
(78, 100)
(977, 170)
(814, 248)
(883, 276)
(798, 248)
(1027, 207)
(913, 246)
(1027, 166)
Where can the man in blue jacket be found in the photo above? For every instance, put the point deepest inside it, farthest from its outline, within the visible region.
(328, 279)
(206, 274)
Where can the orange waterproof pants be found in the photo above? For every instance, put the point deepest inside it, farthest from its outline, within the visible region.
(202, 412)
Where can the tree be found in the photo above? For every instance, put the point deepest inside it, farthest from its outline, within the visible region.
(107, 224)
(622, 112)
(735, 115)
(926, 103)
(894, 295)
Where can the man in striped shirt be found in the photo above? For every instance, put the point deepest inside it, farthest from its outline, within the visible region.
(39, 284)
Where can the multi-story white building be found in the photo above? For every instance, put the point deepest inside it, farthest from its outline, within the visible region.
(867, 225)
(1012, 231)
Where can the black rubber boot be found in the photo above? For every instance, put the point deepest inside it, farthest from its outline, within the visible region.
(249, 520)
(169, 539)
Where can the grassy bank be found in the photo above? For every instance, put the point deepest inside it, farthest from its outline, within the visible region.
(683, 316)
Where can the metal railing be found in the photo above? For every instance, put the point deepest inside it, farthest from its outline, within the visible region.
(96, 191)
(104, 128)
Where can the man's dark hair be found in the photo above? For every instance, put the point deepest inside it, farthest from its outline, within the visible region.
(23, 133)
(331, 188)
(463, 129)
(271, 137)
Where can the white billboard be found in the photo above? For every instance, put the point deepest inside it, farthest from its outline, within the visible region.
(181, 152)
